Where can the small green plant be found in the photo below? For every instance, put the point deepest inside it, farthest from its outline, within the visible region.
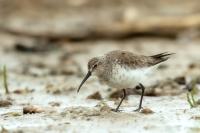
(190, 95)
(190, 99)
(5, 83)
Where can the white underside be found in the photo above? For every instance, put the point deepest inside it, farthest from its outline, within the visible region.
(129, 78)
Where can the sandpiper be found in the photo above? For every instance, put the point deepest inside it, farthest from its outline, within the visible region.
(123, 69)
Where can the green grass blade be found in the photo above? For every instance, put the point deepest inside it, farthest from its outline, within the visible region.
(189, 100)
(5, 83)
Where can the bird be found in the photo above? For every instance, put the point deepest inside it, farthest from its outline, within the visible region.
(123, 69)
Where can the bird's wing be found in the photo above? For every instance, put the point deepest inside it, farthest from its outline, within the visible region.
(136, 61)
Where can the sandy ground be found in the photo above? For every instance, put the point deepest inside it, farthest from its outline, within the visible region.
(47, 79)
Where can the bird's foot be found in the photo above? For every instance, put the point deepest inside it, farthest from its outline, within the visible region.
(138, 109)
(116, 110)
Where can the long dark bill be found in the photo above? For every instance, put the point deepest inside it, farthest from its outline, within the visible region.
(86, 77)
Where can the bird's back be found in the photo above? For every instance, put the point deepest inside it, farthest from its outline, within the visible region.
(134, 61)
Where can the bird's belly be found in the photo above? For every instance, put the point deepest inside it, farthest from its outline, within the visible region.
(128, 78)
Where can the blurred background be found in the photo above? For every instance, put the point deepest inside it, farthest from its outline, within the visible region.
(46, 44)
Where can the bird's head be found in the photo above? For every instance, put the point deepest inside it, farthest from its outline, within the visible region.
(93, 66)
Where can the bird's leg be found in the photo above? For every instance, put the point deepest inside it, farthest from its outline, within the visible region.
(141, 98)
(124, 96)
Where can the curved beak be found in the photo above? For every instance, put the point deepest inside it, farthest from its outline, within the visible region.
(86, 77)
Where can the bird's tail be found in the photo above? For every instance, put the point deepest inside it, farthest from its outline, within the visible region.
(161, 57)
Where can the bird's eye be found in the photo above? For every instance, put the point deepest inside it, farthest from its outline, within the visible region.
(95, 66)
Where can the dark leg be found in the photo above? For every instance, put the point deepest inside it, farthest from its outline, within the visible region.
(140, 105)
(124, 96)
